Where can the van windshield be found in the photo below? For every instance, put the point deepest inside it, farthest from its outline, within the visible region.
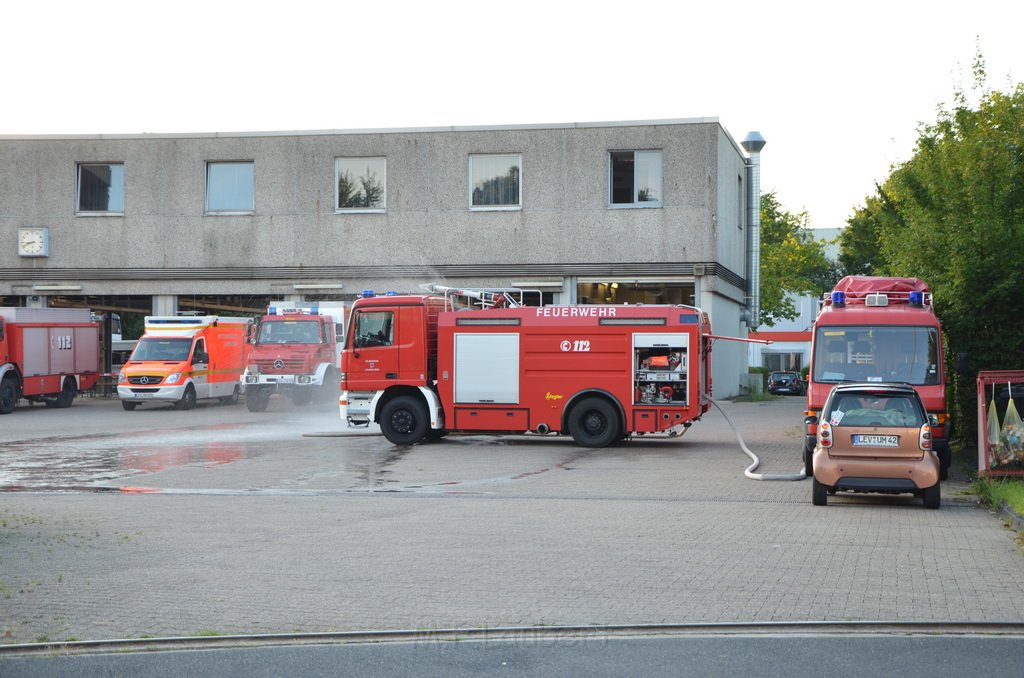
(865, 353)
(161, 349)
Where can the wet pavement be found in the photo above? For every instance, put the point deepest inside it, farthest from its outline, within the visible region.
(156, 522)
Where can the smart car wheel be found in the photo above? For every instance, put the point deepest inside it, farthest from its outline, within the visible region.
(819, 493)
(932, 496)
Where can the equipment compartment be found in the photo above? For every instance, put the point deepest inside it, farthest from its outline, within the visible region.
(660, 368)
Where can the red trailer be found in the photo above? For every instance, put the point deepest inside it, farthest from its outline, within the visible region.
(424, 365)
(47, 355)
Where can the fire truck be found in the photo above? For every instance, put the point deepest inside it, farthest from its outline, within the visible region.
(47, 355)
(484, 361)
(877, 329)
(296, 351)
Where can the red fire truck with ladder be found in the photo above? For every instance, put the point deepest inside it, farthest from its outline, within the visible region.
(877, 329)
(483, 361)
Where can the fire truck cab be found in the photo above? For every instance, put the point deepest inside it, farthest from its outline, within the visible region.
(482, 361)
(878, 329)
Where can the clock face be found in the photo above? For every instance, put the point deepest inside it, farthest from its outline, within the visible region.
(33, 242)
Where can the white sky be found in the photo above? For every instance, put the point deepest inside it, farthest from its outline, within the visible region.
(836, 89)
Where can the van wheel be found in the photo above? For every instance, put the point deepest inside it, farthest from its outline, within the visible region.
(403, 420)
(8, 395)
(231, 399)
(188, 398)
(594, 423)
(819, 493)
(128, 405)
(932, 496)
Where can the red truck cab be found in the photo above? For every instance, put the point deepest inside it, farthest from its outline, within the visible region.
(878, 329)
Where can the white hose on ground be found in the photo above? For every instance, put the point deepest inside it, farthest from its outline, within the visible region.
(749, 472)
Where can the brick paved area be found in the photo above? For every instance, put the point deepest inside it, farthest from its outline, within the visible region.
(258, 529)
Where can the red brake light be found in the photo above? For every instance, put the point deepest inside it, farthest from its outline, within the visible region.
(924, 440)
(825, 435)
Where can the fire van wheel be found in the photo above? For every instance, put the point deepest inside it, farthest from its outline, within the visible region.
(594, 423)
(128, 405)
(403, 420)
(8, 395)
(188, 398)
(231, 399)
(932, 496)
(808, 462)
(819, 493)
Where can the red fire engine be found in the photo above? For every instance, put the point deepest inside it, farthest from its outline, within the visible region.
(46, 355)
(876, 329)
(482, 361)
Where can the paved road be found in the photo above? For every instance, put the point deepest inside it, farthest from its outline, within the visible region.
(240, 523)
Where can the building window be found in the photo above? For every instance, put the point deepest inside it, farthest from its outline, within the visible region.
(229, 187)
(634, 178)
(494, 182)
(362, 184)
(101, 188)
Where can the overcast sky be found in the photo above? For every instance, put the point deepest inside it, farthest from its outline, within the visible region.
(838, 90)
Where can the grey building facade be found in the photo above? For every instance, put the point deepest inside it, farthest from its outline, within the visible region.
(626, 212)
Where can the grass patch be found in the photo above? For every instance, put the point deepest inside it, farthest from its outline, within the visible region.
(1001, 491)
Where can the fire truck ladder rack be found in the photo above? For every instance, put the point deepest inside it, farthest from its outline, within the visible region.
(483, 297)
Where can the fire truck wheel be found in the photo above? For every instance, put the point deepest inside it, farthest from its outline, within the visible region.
(594, 423)
(257, 399)
(403, 420)
(808, 463)
(128, 405)
(188, 399)
(8, 395)
(65, 397)
(330, 389)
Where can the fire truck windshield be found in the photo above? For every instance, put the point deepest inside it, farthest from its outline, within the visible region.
(289, 332)
(886, 353)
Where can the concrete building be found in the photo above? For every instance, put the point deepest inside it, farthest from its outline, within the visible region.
(622, 212)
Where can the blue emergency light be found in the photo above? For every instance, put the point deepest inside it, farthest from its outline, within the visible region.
(916, 298)
(838, 298)
(366, 294)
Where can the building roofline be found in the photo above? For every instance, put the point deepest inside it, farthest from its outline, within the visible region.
(382, 130)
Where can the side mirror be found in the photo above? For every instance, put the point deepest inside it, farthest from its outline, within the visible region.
(963, 364)
(200, 357)
(810, 421)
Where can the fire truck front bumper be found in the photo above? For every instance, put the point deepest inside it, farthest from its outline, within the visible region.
(354, 407)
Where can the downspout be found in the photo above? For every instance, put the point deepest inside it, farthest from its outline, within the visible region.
(752, 144)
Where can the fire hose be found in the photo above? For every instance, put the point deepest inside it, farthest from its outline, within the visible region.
(749, 471)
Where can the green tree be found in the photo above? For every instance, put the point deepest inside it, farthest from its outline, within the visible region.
(953, 215)
(792, 261)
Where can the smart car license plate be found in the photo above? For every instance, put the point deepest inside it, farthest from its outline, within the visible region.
(876, 441)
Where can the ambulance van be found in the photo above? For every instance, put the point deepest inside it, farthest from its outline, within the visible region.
(182, 359)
